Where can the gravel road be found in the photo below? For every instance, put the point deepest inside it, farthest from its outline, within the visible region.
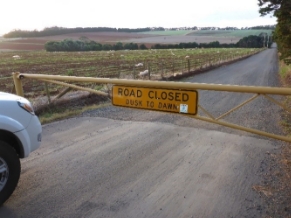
(258, 70)
(119, 162)
(139, 169)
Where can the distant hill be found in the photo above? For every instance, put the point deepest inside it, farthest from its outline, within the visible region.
(52, 31)
(239, 33)
(234, 33)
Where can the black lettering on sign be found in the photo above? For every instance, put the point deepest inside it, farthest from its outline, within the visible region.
(177, 96)
(171, 96)
(126, 92)
(132, 93)
(150, 104)
(167, 106)
(185, 97)
(135, 103)
(156, 95)
(164, 95)
(120, 91)
(151, 94)
(138, 93)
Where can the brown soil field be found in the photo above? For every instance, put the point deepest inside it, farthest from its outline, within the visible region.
(37, 43)
(11, 45)
(97, 36)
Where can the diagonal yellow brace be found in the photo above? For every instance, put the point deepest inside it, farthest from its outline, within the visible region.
(277, 102)
(235, 126)
(237, 107)
(74, 86)
(206, 112)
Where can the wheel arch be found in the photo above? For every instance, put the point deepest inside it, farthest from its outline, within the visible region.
(13, 141)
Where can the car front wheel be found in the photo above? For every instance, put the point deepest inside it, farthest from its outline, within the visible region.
(9, 171)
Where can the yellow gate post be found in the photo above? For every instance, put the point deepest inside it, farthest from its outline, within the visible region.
(18, 84)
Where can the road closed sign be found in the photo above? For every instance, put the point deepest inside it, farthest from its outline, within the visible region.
(169, 100)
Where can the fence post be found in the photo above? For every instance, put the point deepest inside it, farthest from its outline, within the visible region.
(18, 84)
(188, 65)
(149, 69)
(133, 71)
(47, 92)
(173, 67)
(119, 71)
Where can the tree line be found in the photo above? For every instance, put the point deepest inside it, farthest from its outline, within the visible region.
(251, 41)
(51, 31)
(281, 9)
(87, 45)
(80, 45)
(263, 27)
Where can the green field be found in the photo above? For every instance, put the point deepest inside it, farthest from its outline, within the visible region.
(170, 32)
(227, 33)
(218, 33)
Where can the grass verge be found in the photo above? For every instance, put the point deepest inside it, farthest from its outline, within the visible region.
(56, 112)
(280, 163)
(285, 75)
(276, 169)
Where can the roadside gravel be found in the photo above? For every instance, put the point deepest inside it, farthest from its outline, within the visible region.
(259, 70)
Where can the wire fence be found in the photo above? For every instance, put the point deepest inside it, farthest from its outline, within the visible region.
(142, 68)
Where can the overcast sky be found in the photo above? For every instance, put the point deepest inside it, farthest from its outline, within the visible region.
(38, 14)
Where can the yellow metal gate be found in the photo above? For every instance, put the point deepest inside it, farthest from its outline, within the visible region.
(177, 97)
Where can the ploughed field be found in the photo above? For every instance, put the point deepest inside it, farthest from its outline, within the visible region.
(37, 43)
(139, 64)
(148, 38)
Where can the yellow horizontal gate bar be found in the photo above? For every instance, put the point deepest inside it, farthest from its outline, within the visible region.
(162, 84)
(257, 90)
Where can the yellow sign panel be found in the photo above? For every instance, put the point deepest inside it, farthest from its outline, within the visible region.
(176, 101)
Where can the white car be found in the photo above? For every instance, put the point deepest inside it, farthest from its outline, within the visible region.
(20, 134)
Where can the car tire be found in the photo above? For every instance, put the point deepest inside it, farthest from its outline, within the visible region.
(9, 171)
